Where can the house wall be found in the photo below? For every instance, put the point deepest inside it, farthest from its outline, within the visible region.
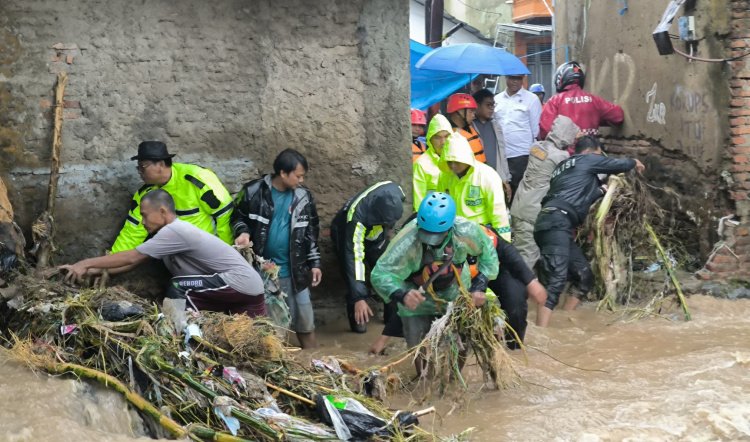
(680, 115)
(226, 84)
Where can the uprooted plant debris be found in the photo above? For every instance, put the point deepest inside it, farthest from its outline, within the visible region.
(632, 236)
(226, 378)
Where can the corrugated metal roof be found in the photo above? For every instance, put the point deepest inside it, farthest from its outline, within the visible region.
(526, 28)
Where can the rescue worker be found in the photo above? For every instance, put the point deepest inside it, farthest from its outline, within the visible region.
(277, 216)
(517, 110)
(436, 241)
(476, 188)
(199, 197)
(538, 90)
(207, 273)
(574, 187)
(426, 169)
(461, 110)
(418, 123)
(588, 111)
(492, 136)
(515, 283)
(544, 156)
(360, 233)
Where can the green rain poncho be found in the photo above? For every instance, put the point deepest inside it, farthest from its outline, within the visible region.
(404, 257)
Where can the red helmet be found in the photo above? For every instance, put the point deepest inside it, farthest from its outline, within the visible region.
(418, 117)
(456, 102)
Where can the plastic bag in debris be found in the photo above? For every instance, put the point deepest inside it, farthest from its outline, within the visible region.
(353, 421)
(296, 429)
(8, 260)
(276, 307)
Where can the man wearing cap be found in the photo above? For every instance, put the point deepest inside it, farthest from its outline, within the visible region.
(199, 197)
(518, 111)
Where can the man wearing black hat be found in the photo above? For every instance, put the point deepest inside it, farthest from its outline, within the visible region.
(200, 198)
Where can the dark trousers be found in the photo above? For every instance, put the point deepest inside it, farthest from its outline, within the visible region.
(211, 293)
(562, 260)
(511, 293)
(517, 167)
(373, 251)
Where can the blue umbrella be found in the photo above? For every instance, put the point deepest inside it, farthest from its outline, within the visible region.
(473, 58)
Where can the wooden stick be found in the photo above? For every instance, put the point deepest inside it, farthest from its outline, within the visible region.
(424, 412)
(62, 80)
(290, 394)
(670, 271)
(45, 246)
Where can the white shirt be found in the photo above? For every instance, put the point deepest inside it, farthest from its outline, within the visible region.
(518, 116)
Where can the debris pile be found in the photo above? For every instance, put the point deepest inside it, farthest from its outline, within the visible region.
(222, 378)
(632, 235)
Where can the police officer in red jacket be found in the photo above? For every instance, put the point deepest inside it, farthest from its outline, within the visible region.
(588, 111)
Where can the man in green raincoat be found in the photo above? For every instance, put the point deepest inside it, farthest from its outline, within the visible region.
(436, 241)
(425, 169)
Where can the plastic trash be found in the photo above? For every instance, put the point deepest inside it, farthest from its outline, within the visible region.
(301, 430)
(68, 329)
(352, 420)
(331, 365)
(192, 330)
(223, 409)
(120, 310)
(231, 375)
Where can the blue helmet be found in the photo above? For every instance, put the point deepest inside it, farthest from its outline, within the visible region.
(536, 88)
(437, 213)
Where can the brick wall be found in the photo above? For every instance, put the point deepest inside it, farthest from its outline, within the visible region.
(730, 257)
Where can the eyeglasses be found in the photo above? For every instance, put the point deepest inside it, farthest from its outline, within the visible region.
(143, 167)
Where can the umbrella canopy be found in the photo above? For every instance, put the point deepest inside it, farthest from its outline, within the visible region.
(473, 58)
(430, 87)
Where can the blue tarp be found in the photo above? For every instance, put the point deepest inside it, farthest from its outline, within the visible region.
(429, 87)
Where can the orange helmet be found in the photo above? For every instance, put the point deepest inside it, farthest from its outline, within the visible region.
(418, 117)
(456, 102)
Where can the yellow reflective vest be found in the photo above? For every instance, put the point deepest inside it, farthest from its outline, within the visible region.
(425, 171)
(479, 193)
(199, 198)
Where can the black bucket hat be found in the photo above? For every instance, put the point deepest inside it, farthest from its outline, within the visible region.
(152, 150)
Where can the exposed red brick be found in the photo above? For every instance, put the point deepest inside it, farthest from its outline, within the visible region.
(738, 196)
(69, 59)
(739, 102)
(740, 159)
(740, 130)
(704, 274)
(740, 150)
(740, 167)
(45, 104)
(724, 259)
(739, 112)
(737, 83)
(739, 140)
(742, 231)
(738, 43)
(71, 104)
(71, 114)
(721, 268)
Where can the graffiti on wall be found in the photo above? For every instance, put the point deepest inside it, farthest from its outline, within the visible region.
(613, 77)
(657, 111)
(692, 108)
(683, 118)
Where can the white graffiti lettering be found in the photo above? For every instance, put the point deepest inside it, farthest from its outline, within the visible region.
(657, 112)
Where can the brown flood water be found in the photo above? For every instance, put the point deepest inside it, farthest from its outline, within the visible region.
(663, 380)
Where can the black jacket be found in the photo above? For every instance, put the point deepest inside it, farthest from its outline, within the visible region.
(360, 227)
(253, 211)
(574, 185)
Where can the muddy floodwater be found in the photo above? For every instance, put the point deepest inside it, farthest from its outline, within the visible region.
(652, 379)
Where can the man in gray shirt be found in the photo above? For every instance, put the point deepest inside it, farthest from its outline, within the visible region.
(492, 136)
(207, 272)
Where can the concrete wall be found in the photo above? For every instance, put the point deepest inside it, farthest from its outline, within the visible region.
(676, 111)
(484, 15)
(226, 84)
